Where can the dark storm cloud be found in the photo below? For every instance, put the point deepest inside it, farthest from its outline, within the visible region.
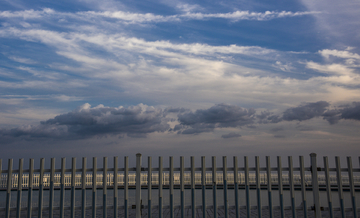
(268, 117)
(231, 135)
(351, 111)
(305, 112)
(332, 116)
(218, 116)
(138, 121)
(85, 122)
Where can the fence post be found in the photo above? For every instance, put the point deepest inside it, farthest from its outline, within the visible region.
(62, 187)
(171, 186)
(339, 184)
(315, 185)
(115, 186)
(83, 188)
(52, 174)
(8, 192)
(105, 187)
(41, 187)
(72, 199)
(149, 186)
(138, 185)
(20, 178)
(30, 187)
(193, 203)
(351, 184)
(280, 185)
(203, 184)
(160, 187)
(182, 191)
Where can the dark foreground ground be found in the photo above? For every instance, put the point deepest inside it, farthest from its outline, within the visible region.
(177, 213)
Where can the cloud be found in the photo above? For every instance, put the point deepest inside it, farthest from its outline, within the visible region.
(337, 53)
(130, 17)
(87, 122)
(218, 116)
(351, 111)
(133, 18)
(319, 109)
(231, 135)
(332, 69)
(332, 116)
(26, 14)
(268, 117)
(246, 15)
(140, 120)
(22, 60)
(306, 111)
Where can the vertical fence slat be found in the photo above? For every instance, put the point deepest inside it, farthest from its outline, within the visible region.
(8, 192)
(104, 187)
(339, 184)
(19, 188)
(31, 177)
(291, 181)
(280, 185)
(182, 194)
(149, 186)
(225, 186)
(328, 186)
(247, 186)
(94, 185)
(83, 188)
(41, 187)
(73, 171)
(351, 184)
(258, 190)
(214, 181)
(115, 181)
(303, 185)
(269, 185)
(236, 186)
(193, 205)
(203, 185)
(52, 175)
(193, 179)
(62, 188)
(315, 185)
(126, 186)
(138, 186)
(171, 181)
(160, 186)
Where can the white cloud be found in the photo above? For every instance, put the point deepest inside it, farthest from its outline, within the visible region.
(131, 17)
(181, 74)
(335, 69)
(246, 15)
(22, 60)
(341, 54)
(188, 7)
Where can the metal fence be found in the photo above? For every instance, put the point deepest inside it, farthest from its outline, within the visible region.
(139, 177)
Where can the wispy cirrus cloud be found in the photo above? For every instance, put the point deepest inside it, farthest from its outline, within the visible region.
(131, 17)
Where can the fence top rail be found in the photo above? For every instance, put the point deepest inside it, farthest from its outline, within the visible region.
(145, 169)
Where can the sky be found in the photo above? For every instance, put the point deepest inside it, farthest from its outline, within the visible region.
(179, 78)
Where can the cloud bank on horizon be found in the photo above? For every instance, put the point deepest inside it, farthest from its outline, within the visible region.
(140, 120)
(242, 71)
